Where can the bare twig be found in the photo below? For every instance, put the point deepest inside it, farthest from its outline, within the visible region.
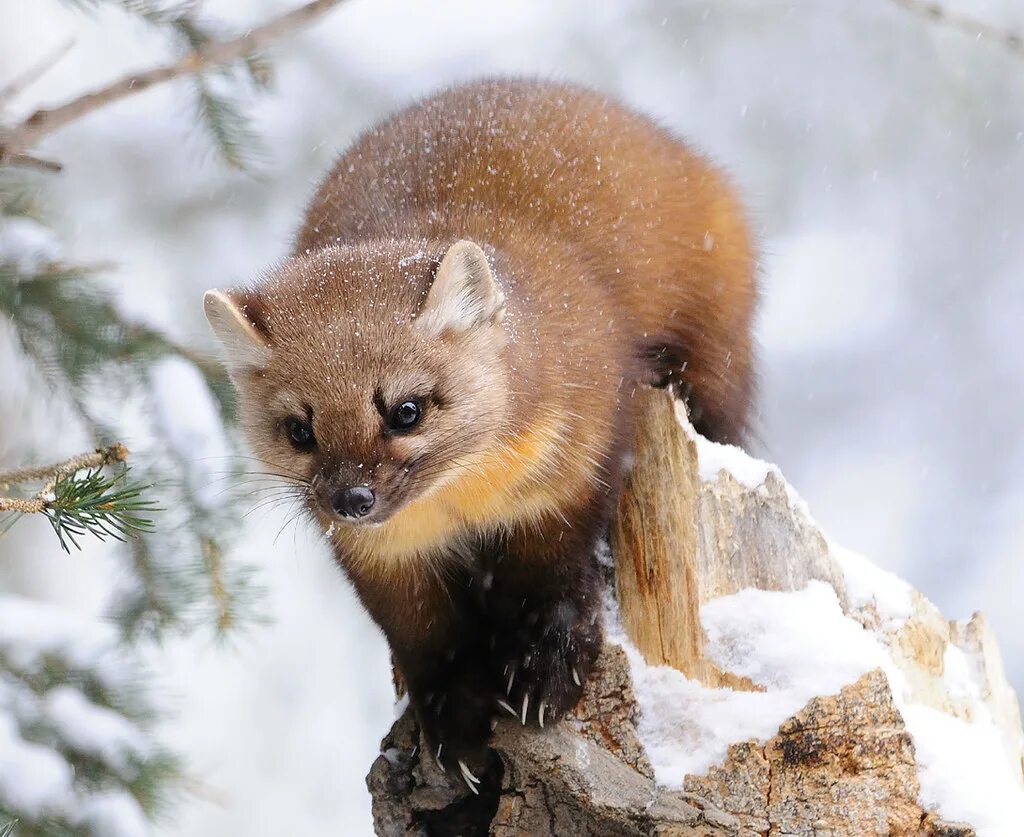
(35, 505)
(97, 458)
(69, 270)
(48, 120)
(213, 561)
(1013, 41)
(29, 161)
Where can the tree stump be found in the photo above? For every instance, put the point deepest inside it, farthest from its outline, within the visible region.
(688, 533)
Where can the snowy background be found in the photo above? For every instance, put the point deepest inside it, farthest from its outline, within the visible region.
(883, 161)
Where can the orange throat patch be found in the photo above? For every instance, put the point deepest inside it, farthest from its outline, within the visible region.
(516, 481)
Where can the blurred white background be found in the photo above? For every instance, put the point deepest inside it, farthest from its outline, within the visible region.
(882, 158)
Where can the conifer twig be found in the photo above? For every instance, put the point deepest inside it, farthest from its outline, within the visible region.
(1012, 41)
(47, 120)
(78, 503)
(96, 459)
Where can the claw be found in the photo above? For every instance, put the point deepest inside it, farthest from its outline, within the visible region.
(511, 680)
(437, 755)
(468, 773)
(494, 724)
(575, 677)
(540, 714)
(508, 708)
(526, 704)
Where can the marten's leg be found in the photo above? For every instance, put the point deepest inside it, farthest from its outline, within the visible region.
(543, 608)
(434, 625)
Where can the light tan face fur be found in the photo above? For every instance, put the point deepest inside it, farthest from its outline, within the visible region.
(338, 340)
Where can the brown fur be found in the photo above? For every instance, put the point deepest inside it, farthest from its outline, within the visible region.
(624, 260)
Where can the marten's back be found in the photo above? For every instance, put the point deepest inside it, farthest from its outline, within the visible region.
(513, 163)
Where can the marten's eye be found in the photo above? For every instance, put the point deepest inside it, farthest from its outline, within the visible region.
(300, 433)
(404, 416)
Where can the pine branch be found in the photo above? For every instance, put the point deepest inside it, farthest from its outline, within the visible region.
(1012, 41)
(229, 127)
(40, 307)
(109, 692)
(101, 506)
(78, 499)
(45, 121)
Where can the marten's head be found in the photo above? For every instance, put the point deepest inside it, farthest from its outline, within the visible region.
(368, 376)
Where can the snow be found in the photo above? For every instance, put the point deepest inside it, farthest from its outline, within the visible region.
(869, 585)
(401, 705)
(30, 631)
(114, 814)
(95, 730)
(800, 644)
(964, 772)
(33, 778)
(958, 676)
(36, 780)
(27, 244)
(187, 414)
(715, 458)
(686, 727)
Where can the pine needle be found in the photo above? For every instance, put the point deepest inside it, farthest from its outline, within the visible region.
(228, 126)
(103, 506)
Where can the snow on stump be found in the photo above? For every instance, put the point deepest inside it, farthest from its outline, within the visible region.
(757, 680)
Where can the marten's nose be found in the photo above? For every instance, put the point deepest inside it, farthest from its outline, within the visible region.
(353, 502)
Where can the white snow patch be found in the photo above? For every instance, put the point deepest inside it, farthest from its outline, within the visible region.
(798, 645)
(763, 635)
(686, 727)
(27, 244)
(959, 676)
(114, 814)
(33, 779)
(714, 457)
(30, 631)
(963, 771)
(869, 585)
(95, 730)
(188, 416)
(401, 705)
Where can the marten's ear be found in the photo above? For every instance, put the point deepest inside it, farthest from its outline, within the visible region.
(464, 293)
(233, 319)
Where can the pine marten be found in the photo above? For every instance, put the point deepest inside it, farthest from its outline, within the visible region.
(444, 369)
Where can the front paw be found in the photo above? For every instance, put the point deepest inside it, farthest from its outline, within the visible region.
(548, 662)
(456, 716)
